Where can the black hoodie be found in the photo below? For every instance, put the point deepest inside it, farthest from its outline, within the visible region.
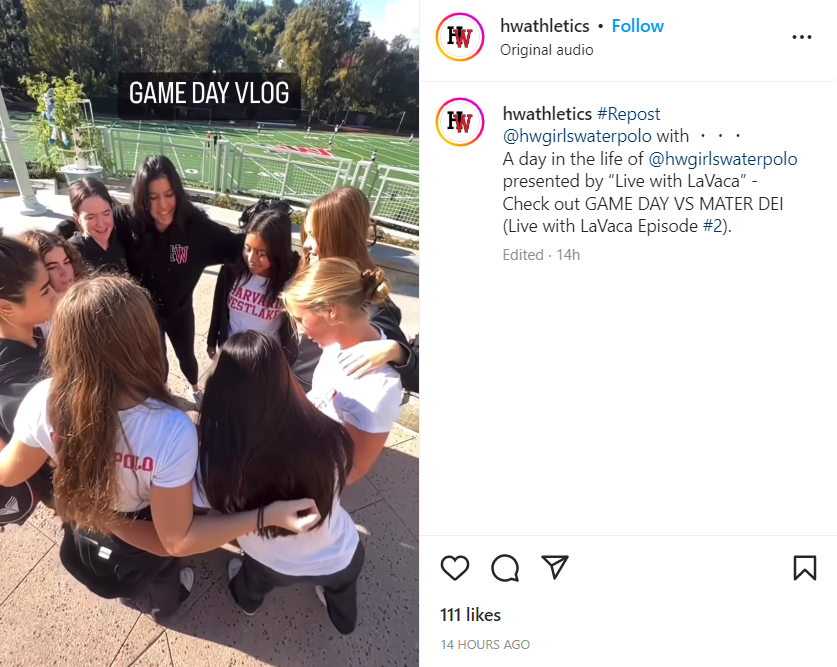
(20, 370)
(169, 264)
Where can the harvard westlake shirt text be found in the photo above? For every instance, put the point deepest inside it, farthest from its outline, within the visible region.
(248, 310)
(159, 447)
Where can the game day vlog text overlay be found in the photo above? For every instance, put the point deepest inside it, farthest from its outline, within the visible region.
(265, 96)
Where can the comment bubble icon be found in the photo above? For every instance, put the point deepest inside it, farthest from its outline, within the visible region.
(505, 568)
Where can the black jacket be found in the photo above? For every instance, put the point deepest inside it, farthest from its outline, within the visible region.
(219, 321)
(21, 367)
(305, 353)
(170, 264)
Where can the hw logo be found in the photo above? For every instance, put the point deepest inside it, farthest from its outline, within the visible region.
(179, 253)
(460, 37)
(460, 121)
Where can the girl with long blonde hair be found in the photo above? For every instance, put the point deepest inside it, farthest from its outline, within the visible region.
(328, 302)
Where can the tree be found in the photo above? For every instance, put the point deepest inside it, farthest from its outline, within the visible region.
(250, 12)
(361, 79)
(317, 36)
(264, 37)
(178, 31)
(400, 83)
(308, 50)
(142, 36)
(225, 35)
(14, 51)
(62, 34)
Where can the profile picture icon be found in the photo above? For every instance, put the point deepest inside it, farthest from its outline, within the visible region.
(460, 121)
(460, 37)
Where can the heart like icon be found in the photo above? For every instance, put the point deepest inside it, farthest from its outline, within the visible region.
(455, 566)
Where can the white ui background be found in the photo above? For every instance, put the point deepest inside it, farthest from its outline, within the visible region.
(662, 410)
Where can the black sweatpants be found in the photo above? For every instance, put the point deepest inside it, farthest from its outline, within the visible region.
(111, 568)
(180, 328)
(256, 580)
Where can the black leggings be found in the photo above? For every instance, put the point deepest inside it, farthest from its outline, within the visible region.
(256, 580)
(111, 568)
(180, 327)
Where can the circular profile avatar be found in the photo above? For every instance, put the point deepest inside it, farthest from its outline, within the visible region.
(460, 37)
(460, 121)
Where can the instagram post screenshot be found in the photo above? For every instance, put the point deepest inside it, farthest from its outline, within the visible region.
(209, 333)
(629, 406)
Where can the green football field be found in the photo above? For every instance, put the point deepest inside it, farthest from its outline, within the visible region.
(272, 161)
(395, 151)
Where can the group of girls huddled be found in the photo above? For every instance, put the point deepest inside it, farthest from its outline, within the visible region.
(306, 382)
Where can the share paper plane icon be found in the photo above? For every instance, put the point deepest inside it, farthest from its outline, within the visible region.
(556, 564)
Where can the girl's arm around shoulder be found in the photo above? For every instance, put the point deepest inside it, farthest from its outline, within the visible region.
(219, 307)
(223, 246)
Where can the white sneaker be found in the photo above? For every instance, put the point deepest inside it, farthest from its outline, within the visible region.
(197, 397)
(320, 591)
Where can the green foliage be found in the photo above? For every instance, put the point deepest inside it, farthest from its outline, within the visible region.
(67, 114)
(36, 170)
(225, 201)
(361, 81)
(62, 34)
(14, 52)
(317, 36)
(324, 41)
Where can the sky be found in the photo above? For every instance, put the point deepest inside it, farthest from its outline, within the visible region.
(392, 17)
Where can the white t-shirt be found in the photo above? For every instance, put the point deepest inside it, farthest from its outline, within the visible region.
(370, 403)
(163, 443)
(326, 550)
(248, 311)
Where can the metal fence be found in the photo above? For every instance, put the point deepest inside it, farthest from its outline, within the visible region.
(256, 170)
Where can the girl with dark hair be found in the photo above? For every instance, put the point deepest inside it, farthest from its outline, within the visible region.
(329, 302)
(247, 292)
(97, 226)
(173, 242)
(261, 440)
(26, 300)
(338, 225)
(62, 261)
(124, 456)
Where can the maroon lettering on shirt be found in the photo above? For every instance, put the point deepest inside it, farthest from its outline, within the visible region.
(131, 462)
(252, 303)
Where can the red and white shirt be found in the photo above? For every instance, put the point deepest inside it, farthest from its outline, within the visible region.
(159, 447)
(248, 310)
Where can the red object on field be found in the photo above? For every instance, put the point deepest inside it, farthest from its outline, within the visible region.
(306, 151)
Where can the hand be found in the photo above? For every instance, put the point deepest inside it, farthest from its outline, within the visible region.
(210, 351)
(284, 514)
(369, 356)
